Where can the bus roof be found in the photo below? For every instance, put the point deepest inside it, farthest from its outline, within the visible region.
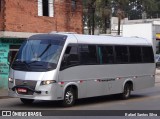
(95, 39)
(114, 40)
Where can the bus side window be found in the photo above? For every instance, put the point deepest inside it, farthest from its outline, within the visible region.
(70, 57)
(106, 54)
(122, 55)
(135, 54)
(148, 56)
(88, 54)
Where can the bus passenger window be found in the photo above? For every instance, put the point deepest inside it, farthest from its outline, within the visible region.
(135, 54)
(70, 57)
(121, 54)
(88, 54)
(106, 54)
(147, 55)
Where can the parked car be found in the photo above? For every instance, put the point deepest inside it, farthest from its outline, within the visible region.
(157, 60)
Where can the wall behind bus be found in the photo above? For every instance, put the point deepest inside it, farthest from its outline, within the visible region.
(1, 15)
(4, 67)
(22, 16)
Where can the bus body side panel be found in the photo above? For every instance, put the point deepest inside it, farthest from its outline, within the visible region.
(71, 75)
(100, 80)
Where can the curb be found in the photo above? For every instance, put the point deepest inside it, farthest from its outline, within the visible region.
(4, 97)
(4, 93)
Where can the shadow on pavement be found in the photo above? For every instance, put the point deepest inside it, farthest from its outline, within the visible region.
(81, 102)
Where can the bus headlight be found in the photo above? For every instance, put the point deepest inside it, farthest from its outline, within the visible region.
(47, 82)
(11, 80)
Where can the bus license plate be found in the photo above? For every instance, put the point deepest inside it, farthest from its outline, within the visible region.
(22, 90)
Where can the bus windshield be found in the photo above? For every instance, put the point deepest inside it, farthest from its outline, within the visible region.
(38, 55)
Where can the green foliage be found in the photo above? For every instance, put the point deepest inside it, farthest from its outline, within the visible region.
(97, 13)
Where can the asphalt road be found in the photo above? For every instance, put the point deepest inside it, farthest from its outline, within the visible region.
(148, 99)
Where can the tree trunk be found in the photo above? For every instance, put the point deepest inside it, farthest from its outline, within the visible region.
(89, 27)
(119, 25)
(105, 26)
(93, 21)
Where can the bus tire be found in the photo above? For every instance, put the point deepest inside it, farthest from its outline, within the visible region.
(27, 101)
(69, 97)
(126, 91)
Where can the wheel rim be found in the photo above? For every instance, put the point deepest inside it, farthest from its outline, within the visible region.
(69, 97)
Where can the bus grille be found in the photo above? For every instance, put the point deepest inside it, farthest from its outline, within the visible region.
(31, 84)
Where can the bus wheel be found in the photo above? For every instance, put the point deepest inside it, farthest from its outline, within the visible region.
(27, 101)
(126, 92)
(69, 97)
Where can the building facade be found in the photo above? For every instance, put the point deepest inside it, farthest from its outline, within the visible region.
(20, 19)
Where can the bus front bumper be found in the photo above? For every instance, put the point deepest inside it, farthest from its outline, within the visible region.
(47, 92)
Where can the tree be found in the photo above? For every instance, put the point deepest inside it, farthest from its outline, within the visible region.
(97, 13)
(120, 7)
(104, 12)
(89, 11)
(138, 7)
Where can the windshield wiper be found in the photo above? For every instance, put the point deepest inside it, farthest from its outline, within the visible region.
(40, 66)
(32, 62)
(48, 46)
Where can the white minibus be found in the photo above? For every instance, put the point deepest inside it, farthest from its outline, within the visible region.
(66, 67)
